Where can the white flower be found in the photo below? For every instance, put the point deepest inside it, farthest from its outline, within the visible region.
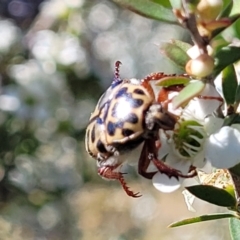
(205, 104)
(163, 183)
(223, 147)
(185, 145)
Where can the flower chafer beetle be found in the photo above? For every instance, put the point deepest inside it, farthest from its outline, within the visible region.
(127, 115)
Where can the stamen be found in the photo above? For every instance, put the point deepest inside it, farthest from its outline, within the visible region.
(191, 146)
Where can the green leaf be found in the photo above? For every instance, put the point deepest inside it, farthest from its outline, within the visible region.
(202, 218)
(183, 45)
(164, 3)
(224, 57)
(213, 195)
(149, 9)
(175, 53)
(175, 3)
(235, 170)
(172, 81)
(231, 119)
(189, 92)
(235, 7)
(227, 8)
(234, 227)
(229, 84)
(237, 95)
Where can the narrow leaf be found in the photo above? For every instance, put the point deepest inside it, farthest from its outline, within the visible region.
(234, 227)
(164, 3)
(236, 170)
(172, 81)
(237, 96)
(149, 9)
(176, 54)
(176, 4)
(202, 218)
(224, 57)
(213, 195)
(229, 84)
(235, 7)
(231, 119)
(227, 7)
(183, 45)
(190, 91)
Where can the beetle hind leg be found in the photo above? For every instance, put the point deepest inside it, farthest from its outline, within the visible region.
(108, 173)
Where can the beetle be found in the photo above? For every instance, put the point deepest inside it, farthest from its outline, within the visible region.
(126, 116)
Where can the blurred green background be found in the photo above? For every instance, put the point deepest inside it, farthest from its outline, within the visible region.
(56, 59)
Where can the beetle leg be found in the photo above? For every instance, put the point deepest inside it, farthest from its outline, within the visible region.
(162, 166)
(126, 188)
(144, 162)
(172, 172)
(149, 153)
(108, 172)
(157, 115)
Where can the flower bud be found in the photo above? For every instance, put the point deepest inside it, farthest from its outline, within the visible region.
(201, 66)
(209, 9)
(194, 51)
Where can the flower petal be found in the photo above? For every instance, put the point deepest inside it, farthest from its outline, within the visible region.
(164, 183)
(202, 107)
(199, 160)
(223, 148)
(175, 162)
(165, 148)
(189, 199)
(213, 124)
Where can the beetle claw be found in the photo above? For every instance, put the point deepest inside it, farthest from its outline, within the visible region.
(126, 188)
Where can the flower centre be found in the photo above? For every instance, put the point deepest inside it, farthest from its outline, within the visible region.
(188, 138)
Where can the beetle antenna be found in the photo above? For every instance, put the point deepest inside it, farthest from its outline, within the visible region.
(116, 73)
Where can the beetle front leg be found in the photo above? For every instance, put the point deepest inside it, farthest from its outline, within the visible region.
(108, 173)
(157, 115)
(149, 154)
(144, 161)
(172, 172)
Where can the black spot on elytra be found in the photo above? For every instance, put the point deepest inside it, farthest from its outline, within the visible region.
(99, 120)
(139, 91)
(111, 128)
(121, 92)
(101, 147)
(127, 132)
(135, 103)
(93, 136)
(132, 118)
